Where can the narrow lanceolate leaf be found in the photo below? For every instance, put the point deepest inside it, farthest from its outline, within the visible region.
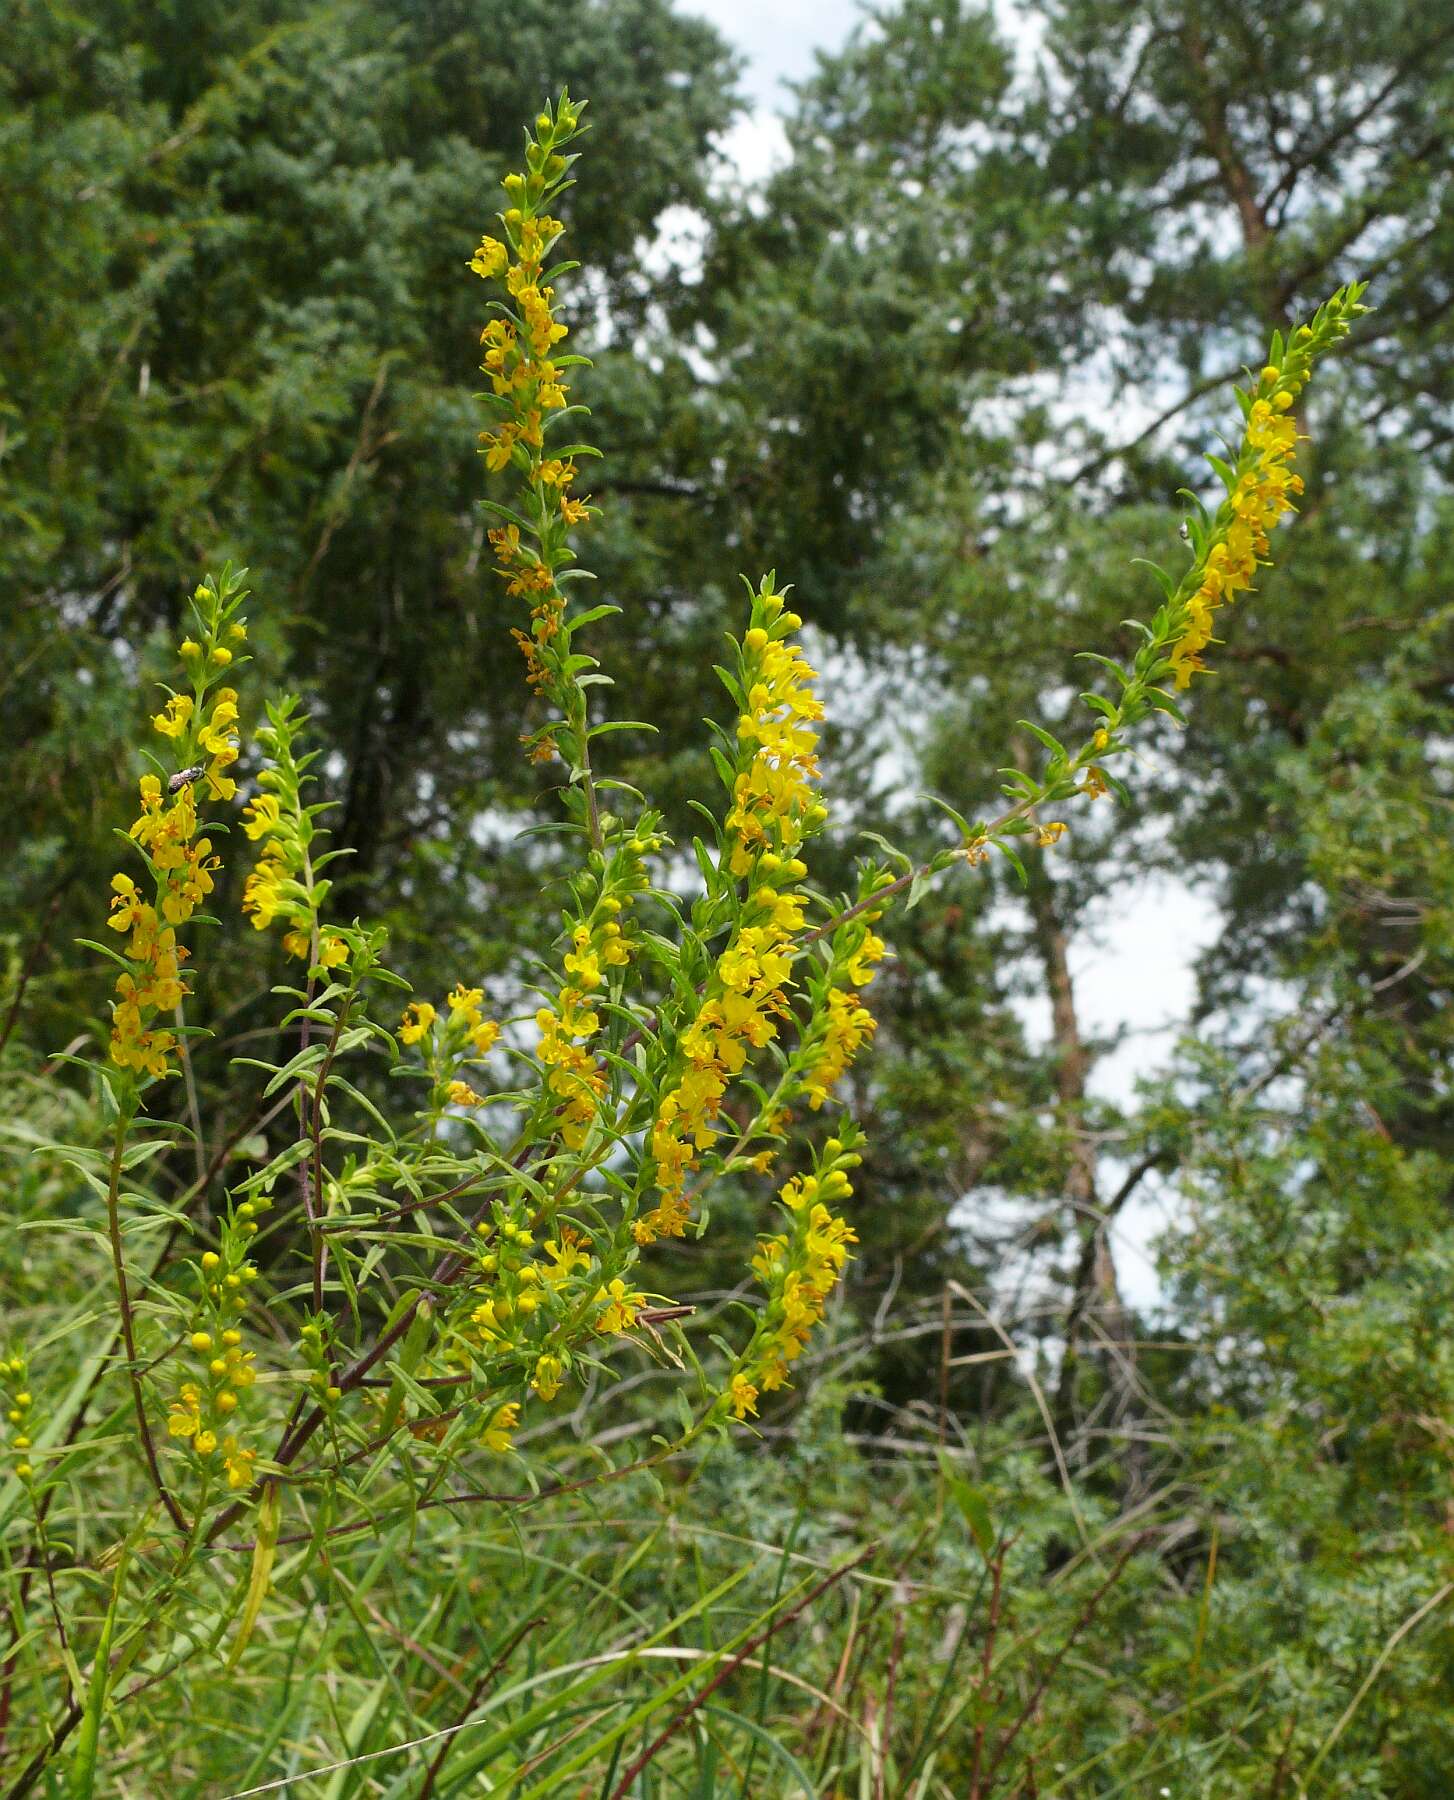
(971, 1502)
(263, 1551)
(83, 1767)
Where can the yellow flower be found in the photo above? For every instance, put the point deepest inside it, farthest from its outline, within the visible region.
(483, 1036)
(216, 736)
(496, 1435)
(462, 1094)
(621, 1308)
(128, 908)
(565, 1257)
(463, 999)
(263, 897)
(743, 1396)
(172, 722)
(261, 815)
(237, 1462)
(860, 970)
(586, 968)
(185, 1419)
(419, 1015)
(546, 1379)
(489, 260)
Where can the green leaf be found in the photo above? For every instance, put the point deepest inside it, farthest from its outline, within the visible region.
(82, 1784)
(1168, 585)
(1225, 470)
(1012, 857)
(972, 1504)
(264, 1549)
(1037, 731)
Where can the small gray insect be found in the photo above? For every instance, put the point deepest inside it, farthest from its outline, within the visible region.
(183, 776)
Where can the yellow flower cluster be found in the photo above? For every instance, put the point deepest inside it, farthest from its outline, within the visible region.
(513, 1312)
(18, 1402)
(527, 385)
(202, 1412)
(799, 1269)
(465, 1037)
(217, 739)
(466, 1010)
(1262, 494)
(845, 1023)
(774, 807)
(567, 1027)
(183, 868)
(273, 889)
(848, 1027)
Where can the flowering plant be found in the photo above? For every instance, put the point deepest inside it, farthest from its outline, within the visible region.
(393, 1296)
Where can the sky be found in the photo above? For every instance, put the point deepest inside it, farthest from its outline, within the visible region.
(1133, 970)
(777, 40)
(777, 37)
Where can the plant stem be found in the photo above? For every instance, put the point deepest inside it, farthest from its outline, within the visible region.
(128, 1331)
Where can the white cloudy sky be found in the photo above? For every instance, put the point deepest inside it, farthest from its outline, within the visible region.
(1133, 969)
(777, 37)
